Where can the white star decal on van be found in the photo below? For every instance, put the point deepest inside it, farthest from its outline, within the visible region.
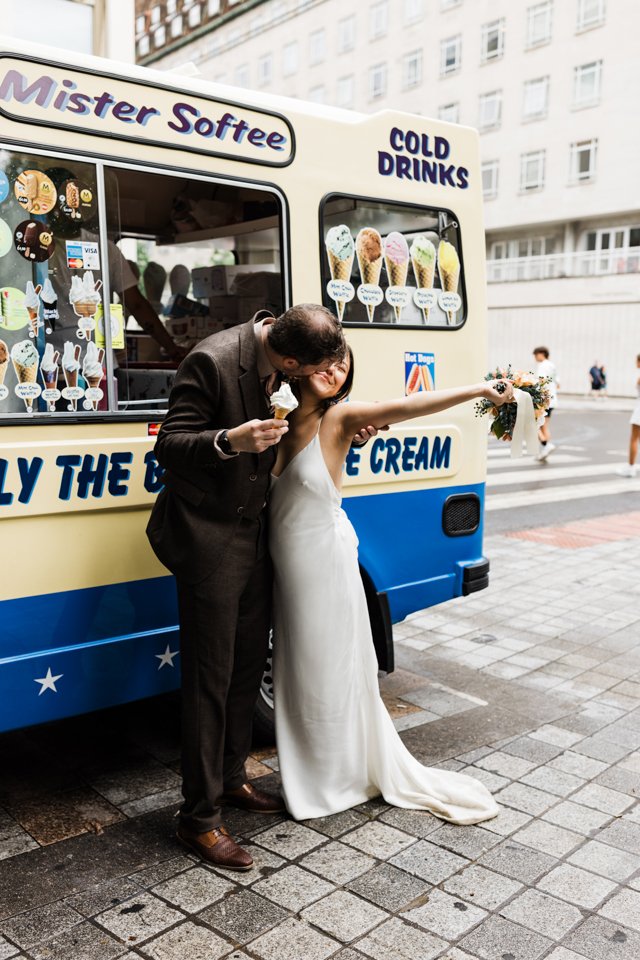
(166, 658)
(48, 682)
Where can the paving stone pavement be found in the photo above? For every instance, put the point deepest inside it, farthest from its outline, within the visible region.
(532, 686)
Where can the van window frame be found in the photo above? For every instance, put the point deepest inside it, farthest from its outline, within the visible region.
(365, 325)
(101, 161)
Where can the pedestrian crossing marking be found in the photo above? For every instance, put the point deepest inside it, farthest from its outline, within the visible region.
(529, 498)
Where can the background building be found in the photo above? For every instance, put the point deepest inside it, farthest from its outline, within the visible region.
(101, 27)
(551, 86)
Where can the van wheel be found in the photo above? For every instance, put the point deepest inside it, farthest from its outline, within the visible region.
(264, 729)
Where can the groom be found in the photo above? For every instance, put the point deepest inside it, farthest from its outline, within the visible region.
(217, 445)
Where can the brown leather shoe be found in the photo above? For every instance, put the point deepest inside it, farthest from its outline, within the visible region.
(247, 797)
(215, 846)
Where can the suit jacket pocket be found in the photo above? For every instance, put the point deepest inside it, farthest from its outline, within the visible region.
(184, 488)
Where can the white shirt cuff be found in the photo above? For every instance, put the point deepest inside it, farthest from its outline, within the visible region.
(223, 456)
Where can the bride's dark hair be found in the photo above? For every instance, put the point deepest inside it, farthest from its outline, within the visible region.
(346, 387)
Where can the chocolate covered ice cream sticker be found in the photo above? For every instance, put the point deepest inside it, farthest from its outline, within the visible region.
(340, 253)
(369, 253)
(77, 200)
(49, 375)
(24, 358)
(84, 297)
(33, 240)
(71, 369)
(396, 261)
(4, 366)
(49, 299)
(34, 191)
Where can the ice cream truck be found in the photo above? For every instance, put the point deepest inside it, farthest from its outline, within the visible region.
(225, 201)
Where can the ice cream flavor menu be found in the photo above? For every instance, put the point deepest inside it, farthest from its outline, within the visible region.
(49, 292)
(437, 304)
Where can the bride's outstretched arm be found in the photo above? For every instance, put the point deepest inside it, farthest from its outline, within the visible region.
(354, 415)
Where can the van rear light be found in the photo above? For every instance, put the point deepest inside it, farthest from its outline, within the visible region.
(461, 514)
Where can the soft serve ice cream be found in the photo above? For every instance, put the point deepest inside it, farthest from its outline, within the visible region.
(70, 368)
(49, 374)
(92, 369)
(340, 252)
(32, 303)
(283, 402)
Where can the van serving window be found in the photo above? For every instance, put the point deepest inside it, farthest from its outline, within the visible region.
(391, 264)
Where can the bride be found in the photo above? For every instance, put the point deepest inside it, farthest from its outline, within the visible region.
(337, 745)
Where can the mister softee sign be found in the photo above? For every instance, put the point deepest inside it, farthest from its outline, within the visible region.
(102, 105)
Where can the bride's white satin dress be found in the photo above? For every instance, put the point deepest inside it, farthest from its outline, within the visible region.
(337, 745)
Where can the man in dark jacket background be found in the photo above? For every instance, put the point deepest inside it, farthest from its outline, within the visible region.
(217, 446)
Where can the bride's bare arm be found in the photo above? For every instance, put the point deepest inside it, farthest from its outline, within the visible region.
(354, 415)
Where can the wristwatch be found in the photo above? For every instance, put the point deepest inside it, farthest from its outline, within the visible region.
(225, 444)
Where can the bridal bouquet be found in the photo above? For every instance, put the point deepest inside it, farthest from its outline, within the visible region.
(532, 399)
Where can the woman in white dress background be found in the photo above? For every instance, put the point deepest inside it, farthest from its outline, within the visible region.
(337, 745)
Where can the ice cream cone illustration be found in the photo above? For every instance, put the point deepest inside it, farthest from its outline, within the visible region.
(369, 254)
(84, 297)
(50, 302)
(423, 260)
(339, 246)
(4, 361)
(396, 260)
(92, 369)
(283, 402)
(24, 357)
(32, 303)
(449, 271)
(70, 368)
(49, 373)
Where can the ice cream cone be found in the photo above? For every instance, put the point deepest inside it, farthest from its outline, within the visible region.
(26, 375)
(449, 271)
(340, 270)
(280, 414)
(3, 371)
(424, 278)
(397, 274)
(33, 320)
(370, 271)
(85, 308)
(93, 383)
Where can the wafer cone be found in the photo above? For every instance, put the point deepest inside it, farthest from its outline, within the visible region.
(370, 271)
(94, 382)
(26, 375)
(397, 274)
(449, 280)
(3, 371)
(280, 414)
(424, 278)
(340, 270)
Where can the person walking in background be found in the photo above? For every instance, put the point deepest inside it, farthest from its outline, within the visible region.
(597, 379)
(546, 369)
(630, 469)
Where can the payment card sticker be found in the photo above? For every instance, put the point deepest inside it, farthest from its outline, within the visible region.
(90, 256)
(419, 372)
(117, 326)
(74, 254)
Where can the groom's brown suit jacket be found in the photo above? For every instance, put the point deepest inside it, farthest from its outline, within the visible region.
(205, 496)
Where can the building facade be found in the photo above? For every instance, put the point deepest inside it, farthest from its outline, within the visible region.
(551, 85)
(101, 27)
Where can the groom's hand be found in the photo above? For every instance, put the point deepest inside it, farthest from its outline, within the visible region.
(255, 436)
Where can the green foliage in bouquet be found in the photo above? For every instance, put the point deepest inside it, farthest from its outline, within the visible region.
(504, 417)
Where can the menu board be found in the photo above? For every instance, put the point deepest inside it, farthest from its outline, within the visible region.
(50, 286)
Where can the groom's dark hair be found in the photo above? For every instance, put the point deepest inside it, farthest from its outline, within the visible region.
(308, 332)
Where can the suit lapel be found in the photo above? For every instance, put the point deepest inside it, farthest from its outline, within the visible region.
(253, 398)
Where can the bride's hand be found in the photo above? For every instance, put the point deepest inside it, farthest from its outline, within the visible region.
(255, 436)
(498, 391)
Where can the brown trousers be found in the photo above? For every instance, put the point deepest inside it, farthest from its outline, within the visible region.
(224, 634)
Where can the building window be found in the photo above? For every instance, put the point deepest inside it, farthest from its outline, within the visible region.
(377, 81)
(265, 70)
(490, 179)
(446, 4)
(141, 24)
(492, 41)
(241, 75)
(539, 23)
(413, 11)
(536, 98)
(450, 55)
(317, 47)
(490, 112)
(160, 36)
(176, 27)
(156, 16)
(318, 94)
(345, 92)
(449, 112)
(590, 14)
(532, 170)
(172, 6)
(583, 160)
(412, 70)
(143, 46)
(213, 8)
(195, 16)
(290, 58)
(346, 34)
(586, 84)
(378, 20)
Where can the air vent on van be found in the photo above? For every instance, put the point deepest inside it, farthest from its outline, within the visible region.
(461, 514)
